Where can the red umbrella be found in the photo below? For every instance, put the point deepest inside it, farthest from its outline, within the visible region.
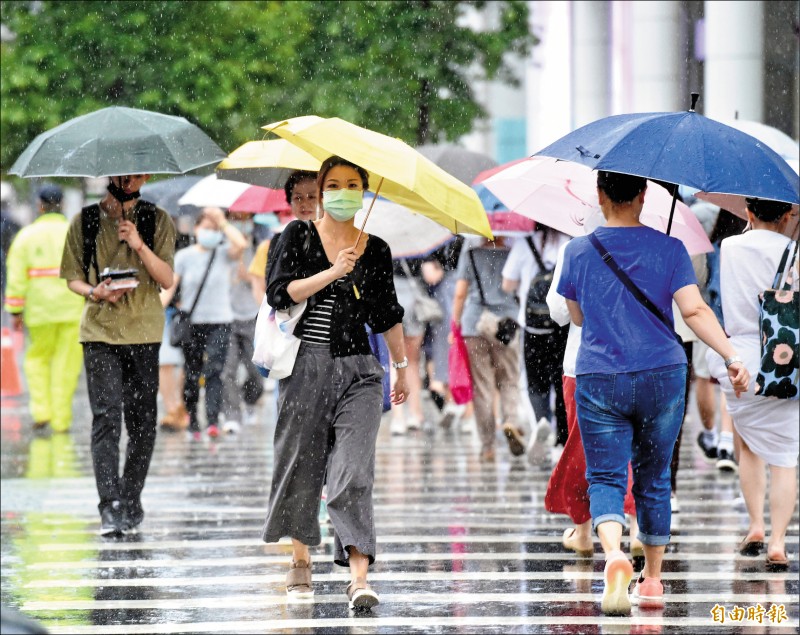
(256, 199)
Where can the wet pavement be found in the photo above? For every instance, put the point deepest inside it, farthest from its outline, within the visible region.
(464, 547)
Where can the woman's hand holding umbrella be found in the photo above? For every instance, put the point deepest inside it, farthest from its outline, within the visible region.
(345, 262)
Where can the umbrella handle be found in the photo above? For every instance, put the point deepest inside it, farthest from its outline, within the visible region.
(672, 209)
(369, 211)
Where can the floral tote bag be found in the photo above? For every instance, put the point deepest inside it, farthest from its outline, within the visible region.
(779, 315)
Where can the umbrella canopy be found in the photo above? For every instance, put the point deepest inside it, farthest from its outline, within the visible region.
(562, 195)
(213, 191)
(115, 141)
(266, 163)
(396, 170)
(502, 220)
(408, 235)
(782, 143)
(166, 193)
(776, 139)
(463, 164)
(682, 148)
(258, 200)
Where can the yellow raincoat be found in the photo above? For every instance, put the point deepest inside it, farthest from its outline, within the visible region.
(52, 315)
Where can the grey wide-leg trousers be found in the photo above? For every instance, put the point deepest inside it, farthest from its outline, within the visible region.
(329, 412)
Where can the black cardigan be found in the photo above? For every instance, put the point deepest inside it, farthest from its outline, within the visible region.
(377, 302)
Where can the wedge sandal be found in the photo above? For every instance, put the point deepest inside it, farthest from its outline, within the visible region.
(298, 581)
(360, 595)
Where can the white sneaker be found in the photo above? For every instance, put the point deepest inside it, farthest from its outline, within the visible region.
(541, 441)
(231, 427)
(467, 425)
(398, 427)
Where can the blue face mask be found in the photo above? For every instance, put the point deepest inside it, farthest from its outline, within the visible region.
(342, 205)
(209, 238)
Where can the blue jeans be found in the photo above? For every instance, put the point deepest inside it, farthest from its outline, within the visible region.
(632, 417)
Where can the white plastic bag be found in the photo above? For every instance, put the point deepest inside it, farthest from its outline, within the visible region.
(275, 345)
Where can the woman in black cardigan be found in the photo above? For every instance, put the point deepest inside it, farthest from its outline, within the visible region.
(329, 408)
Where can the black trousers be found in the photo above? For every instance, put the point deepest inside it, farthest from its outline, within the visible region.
(544, 366)
(123, 383)
(240, 351)
(205, 354)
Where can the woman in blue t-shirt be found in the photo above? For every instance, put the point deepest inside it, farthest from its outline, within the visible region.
(631, 376)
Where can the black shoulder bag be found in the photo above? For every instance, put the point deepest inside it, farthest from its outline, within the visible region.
(537, 313)
(503, 329)
(630, 286)
(180, 328)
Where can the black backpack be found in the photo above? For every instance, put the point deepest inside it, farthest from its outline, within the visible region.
(90, 226)
(537, 313)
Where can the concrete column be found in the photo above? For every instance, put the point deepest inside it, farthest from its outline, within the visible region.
(591, 61)
(656, 81)
(547, 77)
(734, 70)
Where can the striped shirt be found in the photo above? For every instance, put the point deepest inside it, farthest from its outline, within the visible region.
(317, 322)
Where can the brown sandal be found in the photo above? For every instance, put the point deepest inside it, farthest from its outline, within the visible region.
(360, 595)
(298, 581)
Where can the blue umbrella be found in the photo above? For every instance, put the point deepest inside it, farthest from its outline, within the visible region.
(682, 148)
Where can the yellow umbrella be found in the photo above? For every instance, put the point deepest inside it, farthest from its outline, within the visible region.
(266, 163)
(397, 171)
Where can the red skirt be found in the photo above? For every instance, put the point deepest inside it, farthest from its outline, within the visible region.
(567, 490)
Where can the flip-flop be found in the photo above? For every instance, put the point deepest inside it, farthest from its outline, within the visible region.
(751, 548)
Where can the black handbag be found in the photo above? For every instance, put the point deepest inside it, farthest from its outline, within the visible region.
(180, 328)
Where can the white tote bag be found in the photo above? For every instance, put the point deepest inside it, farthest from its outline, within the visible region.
(275, 345)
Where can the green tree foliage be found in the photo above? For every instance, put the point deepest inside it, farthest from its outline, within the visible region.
(404, 68)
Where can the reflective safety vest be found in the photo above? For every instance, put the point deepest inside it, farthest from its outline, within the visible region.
(33, 286)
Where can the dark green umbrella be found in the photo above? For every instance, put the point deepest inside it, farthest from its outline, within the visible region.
(115, 141)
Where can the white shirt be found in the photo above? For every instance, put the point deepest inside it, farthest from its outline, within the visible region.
(748, 266)
(560, 314)
(521, 266)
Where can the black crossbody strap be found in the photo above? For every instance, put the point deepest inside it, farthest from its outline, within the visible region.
(477, 277)
(630, 286)
(203, 282)
(536, 255)
(790, 249)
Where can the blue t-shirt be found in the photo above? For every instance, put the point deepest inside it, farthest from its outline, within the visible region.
(620, 335)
